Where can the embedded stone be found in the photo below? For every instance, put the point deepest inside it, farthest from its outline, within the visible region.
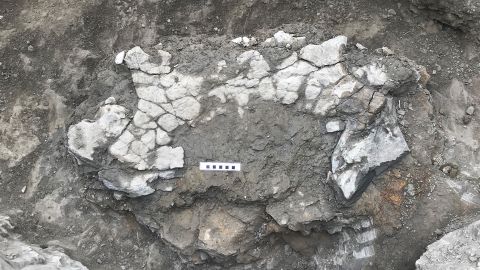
(373, 74)
(134, 183)
(85, 137)
(149, 108)
(119, 57)
(335, 126)
(142, 120)
(121, 146)
(359, 156)
(162, 137)
(168, 122)
(168, 158)
(459, 249)
(148, 139)
(377, 103)
(327, 53)
(151, 93)
(135, 57)
(220, 232)
(259, 68)
(288, 61)
(325, 105)
(186, 108)
(346, 87)
(184, 86)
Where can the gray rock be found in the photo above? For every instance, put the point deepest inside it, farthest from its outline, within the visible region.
(288, 61)
(470, 110)
(215, 230)
(360, 156)
(459, 249)
(152, 93)
(136, 58)
(87, 136)
(142, 120)
(168, 158)
(323, 78)
(132, 182)
(460, 14)
(119, 58)
(327, 53)
(17, 255)
(377, 103)
(335, 126)
(168, 122)
(162, 137)
(302, 207)
(373, 73)
(150, 108)
(287, 40)
(186, 108)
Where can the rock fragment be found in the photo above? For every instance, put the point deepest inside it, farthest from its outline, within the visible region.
(168, 122)
(459, 249)
(136, 58)
(219, 233)
(360, 156)
(150, 109)
(87, 136)
(167, 157)
(162, 137)
(142, 120)
(470, 110)
(288, 61)
(119, 57)
(110, 101)
(327, 53)
(335, 126)
(132, 182)
(187, 108)
(153, 94)
(245, 41)
(346, 87)
(377, 103)
(373, 74)
(323, 78)
(302, 207)
(15, 254)
(283, 39)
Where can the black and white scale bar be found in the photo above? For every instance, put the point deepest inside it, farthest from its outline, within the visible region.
(220, 166)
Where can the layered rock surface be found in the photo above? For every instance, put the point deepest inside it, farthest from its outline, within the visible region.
(459, 249)
(17, 255)
(461, 14)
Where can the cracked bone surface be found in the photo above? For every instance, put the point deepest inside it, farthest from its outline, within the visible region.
(168, 133)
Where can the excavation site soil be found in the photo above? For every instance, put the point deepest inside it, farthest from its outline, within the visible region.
(248, 134)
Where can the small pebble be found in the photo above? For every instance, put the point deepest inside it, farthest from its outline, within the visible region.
(466, 119)
(470, 110)
(360, 46)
